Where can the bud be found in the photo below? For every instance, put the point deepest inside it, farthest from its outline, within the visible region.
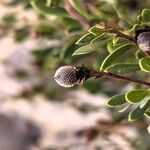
(143, 41)
(66, 76)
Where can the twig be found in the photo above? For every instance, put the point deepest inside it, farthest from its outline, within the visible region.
(116, 77)
(111, 29)
(87, 24)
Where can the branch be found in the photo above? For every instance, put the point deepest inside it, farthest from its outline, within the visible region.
(115, 30)
(116, 77)
(87, 24)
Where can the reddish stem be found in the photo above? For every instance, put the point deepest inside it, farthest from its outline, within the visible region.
(116, 77)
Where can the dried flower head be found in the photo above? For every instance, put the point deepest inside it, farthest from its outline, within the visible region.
(68, 76)
(143, 41)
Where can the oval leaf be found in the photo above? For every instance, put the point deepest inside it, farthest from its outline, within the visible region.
(146, 15)
(145, 101)
(71, 23)
(137, 95)
(121, 68)
(95, 31)
(137, 113)
(116, 100)
(78, 6)
(119, 41)
(87, 49)
(42, 8)
(103, 39)
(139, 54)
(110, 47)
(134, 28)
(116, 43)
(87, 38)
(139, 18)
(147, 113)
(145, 64)
(114, 55)
(93, 46)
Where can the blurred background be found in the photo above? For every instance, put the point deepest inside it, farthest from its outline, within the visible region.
(38, 114)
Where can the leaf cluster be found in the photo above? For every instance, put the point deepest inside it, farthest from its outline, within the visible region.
(123, 54)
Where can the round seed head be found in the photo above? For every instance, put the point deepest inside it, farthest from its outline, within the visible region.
(143, 41)
(66, 76)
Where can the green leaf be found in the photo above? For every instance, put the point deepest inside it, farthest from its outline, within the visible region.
(95, 31)
(134, 28)
(9, 19)
(116, 100)
(120, 68)
(78, 6)
(103, 39)
(147, 113)
(145, 101)
(139, 54)
(67, 50)
(95, 44)
(139, 18)
(110, 47)
(41, 7)
(137, 113)
(145, 64)
(116, 43)
(137, 95)
(71, 23)
(115, 40)
(44, 28)
(146, 15)
(116, 54)
(87, 49)
(87, 38)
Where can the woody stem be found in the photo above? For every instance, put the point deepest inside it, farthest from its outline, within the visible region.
(116, 31)
(117, 77)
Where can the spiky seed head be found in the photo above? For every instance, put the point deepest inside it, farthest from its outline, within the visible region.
(143, 41)
(66, 76)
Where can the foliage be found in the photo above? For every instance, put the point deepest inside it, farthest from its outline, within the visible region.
(100, 30)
